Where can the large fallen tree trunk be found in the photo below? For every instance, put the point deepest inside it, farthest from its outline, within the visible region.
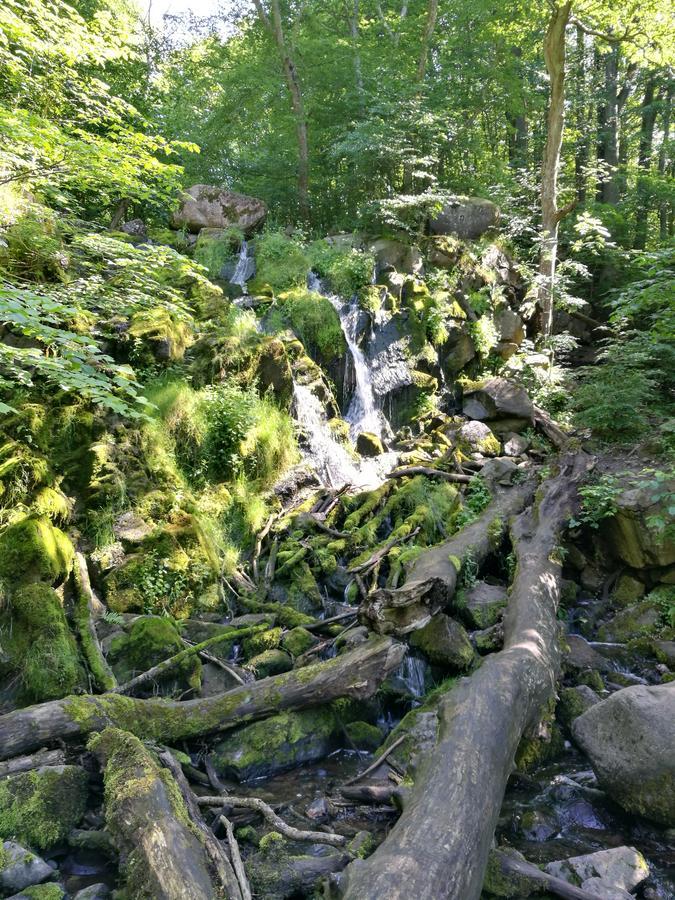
(432, 580)
(356, 674)
(162, 854)
(439, 846)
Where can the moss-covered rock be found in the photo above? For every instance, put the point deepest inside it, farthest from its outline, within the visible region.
(632, 537)
(270, 662)
(482, 605)
(500, 883)
(35, 550)
(573, 702)
(151, 640)
(632, 622)
(444, 642)
(363, 735)
(277, 744)
(40, 807)
(476, 437)
(40, 892)
(368, 444)
(297, 641)
(628, 590)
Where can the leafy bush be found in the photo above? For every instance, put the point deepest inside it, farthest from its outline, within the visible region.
(316, 323)
(347, 271)
(281, 262)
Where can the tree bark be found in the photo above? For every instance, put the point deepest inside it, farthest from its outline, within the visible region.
(439, 847)
(582, 151)
(663, 159)
(429, 26)
(554, 55)
(161, 855)
(648, 111)
(431, 582)
(608, 130)
(356, 674)
(84, 619)
(274, 25)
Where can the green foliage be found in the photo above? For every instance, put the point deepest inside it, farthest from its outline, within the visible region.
(315, 321)
(347, 271)
(476, 497)
(281, 262)
(213, 252)
(484, 335)
(598, 501)
(664, 596)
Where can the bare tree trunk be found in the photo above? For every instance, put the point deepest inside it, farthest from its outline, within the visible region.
(275, 27)
(554, 55)
(432, 15)
(608, 118)
(583, 149)
(354, 34)
(663, 158)
(439, 847)
(647, 121)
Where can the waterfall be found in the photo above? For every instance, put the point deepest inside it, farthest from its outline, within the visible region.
(363, 413)
(333, 462)
(244, 269)
(413, 675)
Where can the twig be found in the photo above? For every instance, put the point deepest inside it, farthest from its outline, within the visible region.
(318, 626)
(293, 834)
(237, 863)
(258, 547)
(378, 762)
(220, 663)
(211, 774)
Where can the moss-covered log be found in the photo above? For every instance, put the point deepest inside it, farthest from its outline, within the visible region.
(432, 580)
(161, 854)
(357, 674)
(439, 847)
(84, 620)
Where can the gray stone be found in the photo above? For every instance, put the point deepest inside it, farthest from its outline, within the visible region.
(629, 738)
(478, 437)
(483, 604)
(444, 642)
(497, 398)
(207, 206)
(665, 650)
(93, 892)
(629, 534)
(134, 227)
(515, 444)
(390, 254)
(130, 528)
(581, 656)
(509, 325)
(467, 217)
(620, 867)
(641, 618)
(605, 889)
(21, 869)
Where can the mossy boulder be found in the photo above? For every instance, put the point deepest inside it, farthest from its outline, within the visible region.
(270, 662)
(482, 604)
(444, 642)
(363, 735)
(503, 883)
(368, 444)
(628, 590)
(152, 639)
(573, 702)
(630, 535)
(279, 743)
(40, 647)
(42, 892)
(297, 641)
(33, 549)
(476, 437)
(634, 621)
(40, 807)
(497, 398)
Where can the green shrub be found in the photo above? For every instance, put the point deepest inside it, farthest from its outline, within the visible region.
(34, 247)
(317, 324)
(213, 251)
(281, 262)
(229, 412)
(347, 271)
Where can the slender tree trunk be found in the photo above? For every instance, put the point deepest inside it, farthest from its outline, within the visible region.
(518, 130)
(624, 142)
(663, 159)
(432, 15)
(583, 148)
(354, 34)
(608, 120)
(647, 121)
(554, 56)
(274, 25)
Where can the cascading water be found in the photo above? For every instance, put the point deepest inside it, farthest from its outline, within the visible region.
(363, 413)
(244, 269)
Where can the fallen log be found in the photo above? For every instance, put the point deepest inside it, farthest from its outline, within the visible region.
(431, 582)
(83, 615)
(161, 854)
(509, 865)
(356, 674)
(369, 793)
(431, 473)
(34, 761)
(439, 847)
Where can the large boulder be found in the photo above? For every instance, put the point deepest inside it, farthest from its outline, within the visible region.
(19, 868)
(621, 867)
(40, 807)
(629, 739)
(390, 254)
(497, 398)
(631, 536)
(207, 206)
(467, 217)
(641, 618)
(483, 604)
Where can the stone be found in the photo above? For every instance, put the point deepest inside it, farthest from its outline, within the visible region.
(368, 444)
(21, 869)
(93, 892)
(478, 438)
(636, 620)
(629, 534)
(130, 528)
(620, 867)
(581, 656)
(444, 642)
(629, 739)
(483, 604)
(467, 217)
(488, 640)
(574, 701)
(208, 206)
(396, 255)
(134, 227)
(497, 398)
(628, 589)
(600, 887)
(665, 652)
(40, 892)
(509, 326)
(508, 884)
(274, 371)
(515, 444)
(270, 662)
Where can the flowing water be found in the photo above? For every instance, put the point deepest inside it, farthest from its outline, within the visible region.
(244, 269)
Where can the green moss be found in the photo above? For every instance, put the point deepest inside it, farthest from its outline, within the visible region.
(33, 549)
(593, 679)
(315, 321)
(281, 263)
(40, 807)
(43, 892)
(265, 640)
(271, 840)
(270, 662)
(363, 735)
(151, 640)
(297, 641)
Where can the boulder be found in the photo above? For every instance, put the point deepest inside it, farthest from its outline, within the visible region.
(467, 217)
(665, 652)
(497, 398)
(483, 604)
(444, 642)
(515, 444)
(509, 326)
(368, 444)
(574, 701)
(629, 534)
(620, 867)
(641, 618)
(581, 656)
(629, 739)
(478, 438)
(93, 892)
(270, 662)
(274, 371)
(135, 228)
(130, 528)
(600, 887)
(396, 255)
(20, 869)
(40, 892)
(207, 206)
(41, 806)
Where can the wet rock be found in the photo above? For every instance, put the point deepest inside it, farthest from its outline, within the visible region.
(20, 868)
(483, 604)
(297, 641)
(40, 892)
(605, 889)
(537, 825)
(488, 640)
(444, 642)
(279, 743)
(497, 398)
(276, 874)
(508, 884)
(574, 702)
(631, 622)
(41, 806)
(270, 662)
(581, 656)
(396, 255)
(368, 444)
(207, 206)
(363, 735)
(630, 536)
(93, 892)
(467, 217)
(478, 438)
(318, 810)
(620, 867)
(665, 652)
(274, 371)
(629, 739)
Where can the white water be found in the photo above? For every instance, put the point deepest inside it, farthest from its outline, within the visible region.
(363, 414)
(244, 269)
(333, 462)
(413, 674)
